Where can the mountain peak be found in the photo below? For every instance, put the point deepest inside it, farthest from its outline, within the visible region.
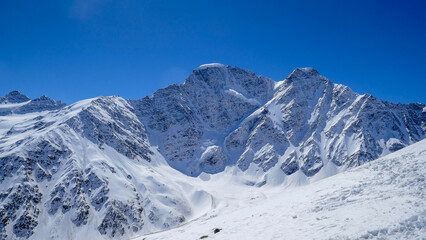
(305, 76)
(210, 65)
(14, 97)
(14, 92)
(44, 98)
(217, 77)
(304, 72)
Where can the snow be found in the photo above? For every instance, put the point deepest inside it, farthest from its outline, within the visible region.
(242, 97)
(13, 105)
(306, 69)
(211, 65)
(380, 200)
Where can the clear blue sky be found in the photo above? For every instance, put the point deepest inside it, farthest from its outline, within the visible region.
(72, 50)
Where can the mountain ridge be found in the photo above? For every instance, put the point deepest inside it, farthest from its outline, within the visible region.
(70, 160)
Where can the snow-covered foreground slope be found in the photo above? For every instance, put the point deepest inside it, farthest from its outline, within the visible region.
(384, 199)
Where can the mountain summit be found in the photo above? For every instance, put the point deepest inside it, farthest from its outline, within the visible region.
(14, 97)
(114, 167)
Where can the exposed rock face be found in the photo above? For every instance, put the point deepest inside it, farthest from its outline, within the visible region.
(121, 130)
(324, 122)
(213, 159)
(99, 164)
(197, 114)
(222, 95)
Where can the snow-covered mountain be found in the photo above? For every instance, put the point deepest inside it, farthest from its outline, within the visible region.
(113, 167)
(384, 199)
(16, 102)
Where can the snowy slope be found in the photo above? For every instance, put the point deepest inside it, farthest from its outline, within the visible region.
(64, 176)
(384, 199)
(108, 167)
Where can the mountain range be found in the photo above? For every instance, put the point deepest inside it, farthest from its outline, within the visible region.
(117, 168)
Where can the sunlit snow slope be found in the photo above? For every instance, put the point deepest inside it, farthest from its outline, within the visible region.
(384, 199)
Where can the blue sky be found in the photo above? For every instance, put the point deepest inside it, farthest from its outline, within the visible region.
(72, 50)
